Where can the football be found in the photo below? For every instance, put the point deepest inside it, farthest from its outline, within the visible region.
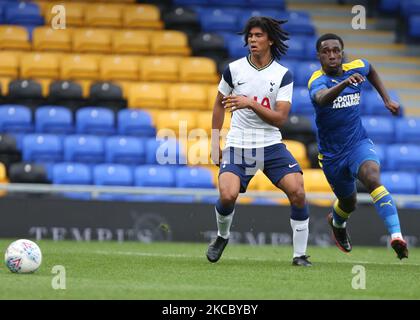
(23, 256)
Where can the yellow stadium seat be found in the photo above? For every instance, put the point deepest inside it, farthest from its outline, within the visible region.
(3, 176)
(48, 39)
(187, 96)
(198, 151)
(159, 69)
(131, 41)
(204, 119)
(4, 83)
(103, 15)
(14, 37)
(9, 64)
(147, 95)
(41, 65)
(198, 69)
(265, 184)
(119, 68)
(74, 13)
(78, 67)
(92, 40)
(142, 16)
(315, 181)
(176, 121)
(212, 91)
(45, 84)
(170, 43)
(298, 150)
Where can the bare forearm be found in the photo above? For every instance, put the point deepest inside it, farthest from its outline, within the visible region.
(274, 118)
(376, 81)
(327, 96)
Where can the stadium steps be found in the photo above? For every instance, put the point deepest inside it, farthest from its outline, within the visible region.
(398, 64)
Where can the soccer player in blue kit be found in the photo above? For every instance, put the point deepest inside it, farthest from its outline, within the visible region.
(257, 89)
(345, 151)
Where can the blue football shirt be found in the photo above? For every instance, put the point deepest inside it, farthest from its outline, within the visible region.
(339, 123)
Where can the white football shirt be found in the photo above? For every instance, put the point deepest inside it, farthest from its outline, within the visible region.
(266, 85)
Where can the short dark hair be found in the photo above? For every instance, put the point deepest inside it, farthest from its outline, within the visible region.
(328, 36)
(274, 31)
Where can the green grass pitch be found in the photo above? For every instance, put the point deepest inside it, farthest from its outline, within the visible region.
(110, 270)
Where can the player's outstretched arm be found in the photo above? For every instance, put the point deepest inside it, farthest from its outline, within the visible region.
(325, 97)
(275, 117)
(216, 125)
(376, 81)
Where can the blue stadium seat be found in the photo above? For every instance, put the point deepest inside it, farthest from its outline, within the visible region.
(389, 6)
(299, 27)
(190, 2)
(54, 119)
(194, 177)
(84, 148)
(23, 13)
(301, 103)
(403, 157)
(407, 130)
(234, 44)
(418, 183)
(248, 13)
(409, 7)
(414, 26)
(304, 72)
(226, 3)
(379, 129)
(296, 48)
(124, 150)
(272, 4)
(42, 148)
(219, 20)
(15, 119)
(372, 103)
(112, 175)
(95, 120)
(399, 182)
(164, 151)
(136, 123)
(71, 173)
(154, 176)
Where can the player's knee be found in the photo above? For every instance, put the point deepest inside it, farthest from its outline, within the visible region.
(297, 197)
(228, 197)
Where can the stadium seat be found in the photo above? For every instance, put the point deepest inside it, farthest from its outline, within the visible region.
(103, 15)
(164, 151)
(48, 39)
(183, 19)
(112, 175)
(215, 20)
(172, 120)
(315, 181)
(372, 103)
(78, 67)
(27, 173)
(91, 40)
(3, 175)
(14, 37)
(414, 26)
(403, 157)
(23, 13)
(407, 130)
(379, 129)
(194, 177)
(302, 104)
(125, 150)
(154, 176)
(15, 119)
(303, 73)
(198, 69)
(297, 49)
(84, 148)
(71, 173)
(9, 152)
(274, 4)
(170, 43)
(74, 13)
(235, 46)
(107, 94)
(26, 92)
(119, 68)
(39, 65)
(9, 65)
(66, 93)
(187, 96)
(211, 45)
(95, 120)
(147, 95)
(159, 69)
(42, 148)
(131, 41)
(135, 123)
(145, 16)
(298, 150)
(299, 26)
(399, 182)
(298, 128)
(53, 119)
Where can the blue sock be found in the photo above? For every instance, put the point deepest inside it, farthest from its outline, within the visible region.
(299, 214)
(339, 216)
(386, 208)
(223, 210)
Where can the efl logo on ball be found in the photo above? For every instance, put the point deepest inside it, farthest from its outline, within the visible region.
(23, 256)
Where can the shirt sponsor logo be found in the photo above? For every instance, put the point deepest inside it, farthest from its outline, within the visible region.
(349, 100)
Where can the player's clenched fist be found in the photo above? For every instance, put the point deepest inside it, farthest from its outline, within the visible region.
(355, 79)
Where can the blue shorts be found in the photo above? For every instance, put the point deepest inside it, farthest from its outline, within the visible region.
(275, 161)
(342, 172)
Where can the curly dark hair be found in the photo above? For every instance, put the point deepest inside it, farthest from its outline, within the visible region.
(274, 31)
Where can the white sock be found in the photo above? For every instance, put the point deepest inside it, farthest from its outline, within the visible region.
(396, 235)
(339, 225)
(300, 236)
(223, 224)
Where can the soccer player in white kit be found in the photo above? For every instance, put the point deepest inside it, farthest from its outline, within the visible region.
(258, 92)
